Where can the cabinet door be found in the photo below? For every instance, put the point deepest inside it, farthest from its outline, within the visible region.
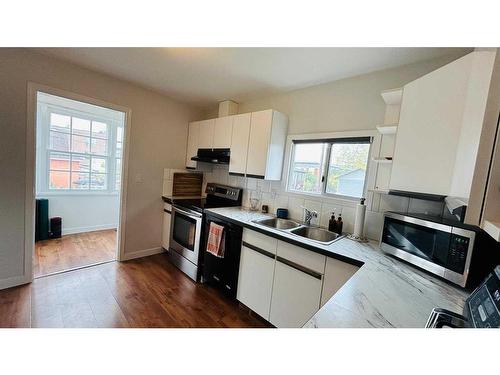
(296, 296)
(223, 130)
(239, 143)
(336, 274)
(258, 145)
(192, 145)
(255, 280)
(165, 236)
(206, 134)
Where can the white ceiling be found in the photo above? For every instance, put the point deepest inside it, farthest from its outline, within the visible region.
(204, 76)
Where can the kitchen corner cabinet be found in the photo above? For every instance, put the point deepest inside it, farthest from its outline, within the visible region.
(239, 144)
(223, 130)
(440, 127)
(192, 144)
(266, 144)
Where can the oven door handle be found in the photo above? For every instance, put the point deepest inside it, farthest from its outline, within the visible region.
(189, 214)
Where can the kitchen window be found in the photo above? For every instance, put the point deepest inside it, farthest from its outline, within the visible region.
(330, 167)
(78, 151)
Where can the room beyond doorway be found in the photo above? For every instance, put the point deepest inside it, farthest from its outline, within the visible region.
(78, 179)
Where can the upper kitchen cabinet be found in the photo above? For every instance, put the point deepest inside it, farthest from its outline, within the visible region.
(239, 144)
(223, 129)
(266, 144)
(440, 127)
(207, 128)
(192, 144)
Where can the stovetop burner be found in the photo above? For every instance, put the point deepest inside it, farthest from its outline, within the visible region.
(217, 196)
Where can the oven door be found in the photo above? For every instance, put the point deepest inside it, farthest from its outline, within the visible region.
(185, 233)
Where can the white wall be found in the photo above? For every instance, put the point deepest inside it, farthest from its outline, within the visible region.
(157, 140)
(84, 213)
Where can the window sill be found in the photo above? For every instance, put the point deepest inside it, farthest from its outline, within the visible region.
(341, 199)
(76, 194)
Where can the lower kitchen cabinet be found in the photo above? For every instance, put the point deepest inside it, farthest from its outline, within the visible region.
(255, 280)
(295, 296)
(165, 234)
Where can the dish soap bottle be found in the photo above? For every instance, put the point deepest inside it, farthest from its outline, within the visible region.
(332, 224)
(340, 224)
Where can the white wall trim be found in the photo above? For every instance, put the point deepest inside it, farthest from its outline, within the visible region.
(29, 213)
(93, 228)
(142, 253)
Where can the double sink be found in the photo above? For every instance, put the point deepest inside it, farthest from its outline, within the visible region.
(320, 235)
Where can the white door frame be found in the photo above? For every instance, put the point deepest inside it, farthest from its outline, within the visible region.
(29, 222)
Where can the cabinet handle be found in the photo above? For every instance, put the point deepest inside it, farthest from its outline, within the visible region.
(236, 174)
(259, 250)
(167, 211)
(300, 268)
(256, 176)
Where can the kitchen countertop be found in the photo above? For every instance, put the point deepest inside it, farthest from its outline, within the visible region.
(171, 198)
(384, 292)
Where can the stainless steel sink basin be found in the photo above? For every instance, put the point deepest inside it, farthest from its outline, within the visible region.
(317, 234)
(277, 223)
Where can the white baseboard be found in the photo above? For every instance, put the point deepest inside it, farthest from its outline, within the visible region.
(142, 253)
(93, 228)
(14, 281)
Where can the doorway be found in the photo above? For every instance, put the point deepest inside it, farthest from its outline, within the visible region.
(79, 164)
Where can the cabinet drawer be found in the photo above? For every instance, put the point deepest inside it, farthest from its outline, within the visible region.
(302, 257)
(260, 240)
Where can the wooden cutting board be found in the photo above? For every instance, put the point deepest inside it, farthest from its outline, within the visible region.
(187, 184)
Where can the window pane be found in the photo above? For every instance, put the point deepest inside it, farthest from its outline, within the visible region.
(119, 149)
(99, 129)
(80, 144)
(307, 167)
(59, 141)
(59, 180)
(80, 180)
(119, 134)
(59, 122)
(59, 161)
(99, 165)
(347, 169)
(118, 175)
(80, 163)
(98, 182)
(99, 146)
(81, 126)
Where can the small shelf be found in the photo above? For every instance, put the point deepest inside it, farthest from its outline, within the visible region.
(492, 228)
(392, 96)
(382, 160)
(387, 129)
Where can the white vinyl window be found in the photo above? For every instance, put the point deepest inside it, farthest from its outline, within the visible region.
(331, 167)
(78, 151)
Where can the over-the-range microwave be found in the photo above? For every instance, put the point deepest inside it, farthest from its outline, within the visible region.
(457, 252)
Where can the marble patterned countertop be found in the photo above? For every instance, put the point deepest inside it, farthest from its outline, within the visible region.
(384, 292)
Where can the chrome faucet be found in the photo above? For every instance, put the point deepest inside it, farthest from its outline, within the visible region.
(308, 215)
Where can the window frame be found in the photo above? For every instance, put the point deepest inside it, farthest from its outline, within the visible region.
(43, 185)
(329, 140)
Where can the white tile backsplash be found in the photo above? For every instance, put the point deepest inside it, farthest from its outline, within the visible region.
(274, 194)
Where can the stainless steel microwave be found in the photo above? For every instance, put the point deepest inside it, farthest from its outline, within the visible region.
(438, 247)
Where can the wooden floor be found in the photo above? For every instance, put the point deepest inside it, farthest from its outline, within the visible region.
(74, 250)
(147, 292)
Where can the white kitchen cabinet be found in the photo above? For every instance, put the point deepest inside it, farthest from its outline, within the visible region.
(336, 274)
(223, 130)
(255, 279)
(192, 144)
(440, 126)
(207, 128)
(165, 235)
(239, 144)
(295, 295)
(266, 146)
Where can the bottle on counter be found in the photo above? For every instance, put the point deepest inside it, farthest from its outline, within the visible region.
(332, 223)
(340, 224)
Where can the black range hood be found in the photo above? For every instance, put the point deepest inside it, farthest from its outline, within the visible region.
(424, 196)
(212, 155)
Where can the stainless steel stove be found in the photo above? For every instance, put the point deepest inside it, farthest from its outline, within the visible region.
(186, 230)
